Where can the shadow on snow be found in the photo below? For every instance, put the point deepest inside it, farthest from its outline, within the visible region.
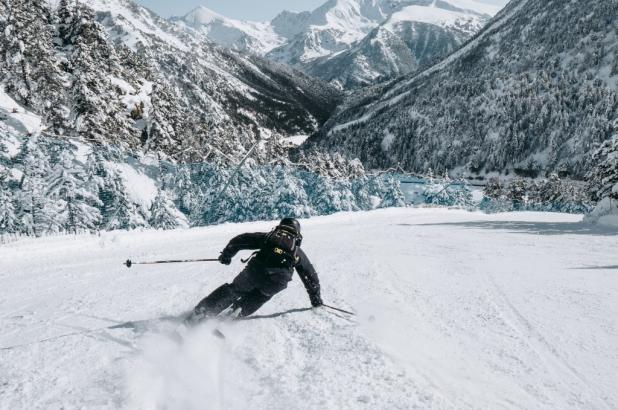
(536, 228)
(610, 267)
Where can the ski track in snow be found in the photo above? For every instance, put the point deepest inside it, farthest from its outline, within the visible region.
(456, 310)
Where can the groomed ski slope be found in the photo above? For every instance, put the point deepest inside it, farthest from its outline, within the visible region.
(456, 310)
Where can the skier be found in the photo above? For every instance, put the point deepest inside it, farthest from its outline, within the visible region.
(268, 272)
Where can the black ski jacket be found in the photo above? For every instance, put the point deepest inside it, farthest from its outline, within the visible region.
(303, 266)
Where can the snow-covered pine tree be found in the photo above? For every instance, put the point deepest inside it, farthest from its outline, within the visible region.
(162, 215)
(66, 13)
(184, 190)
(68, 186)
(517, 193)
(97, 112)
(118, 210)
(461, 194)
(249, 195)
(288, 198)
(344, 199)
(211, 204)
(81, 216)
(95, 171)
(445, 192)
(4, 157)
(9, 222)
(30, 71)
(323, 198)
(35, 212)
(436, 191)
(494, 189)
(603, 179)
(550, 193)
(166, 120)
(495, 197)
(391, 193)
(364, 191)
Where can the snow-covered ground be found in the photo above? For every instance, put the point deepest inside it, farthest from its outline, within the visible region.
(14, 119)
(456, 310)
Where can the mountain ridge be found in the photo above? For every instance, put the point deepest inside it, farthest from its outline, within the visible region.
(337, 41)
(504, 102)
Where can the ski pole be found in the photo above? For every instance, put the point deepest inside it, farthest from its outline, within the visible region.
(339, 310)
(130, 263)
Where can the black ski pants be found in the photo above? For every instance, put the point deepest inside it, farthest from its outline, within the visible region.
(249, 291)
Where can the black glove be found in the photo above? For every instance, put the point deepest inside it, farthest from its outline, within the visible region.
(316, 300)
(225, 259)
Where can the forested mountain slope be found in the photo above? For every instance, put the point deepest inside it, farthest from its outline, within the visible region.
(535, 91)
(111, 71)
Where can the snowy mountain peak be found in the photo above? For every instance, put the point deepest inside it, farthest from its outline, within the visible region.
(203, 15)
(439, 13)
(247, 36)
(354, 43)
(288, 24)
(473, 6)
(410, 33)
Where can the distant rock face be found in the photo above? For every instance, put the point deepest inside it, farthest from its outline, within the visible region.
(353, 43)
(534, 92)
(288, 24)
(391, 50)
(110, 71)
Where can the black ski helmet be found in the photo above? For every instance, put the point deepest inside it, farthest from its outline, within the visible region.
(290, 223)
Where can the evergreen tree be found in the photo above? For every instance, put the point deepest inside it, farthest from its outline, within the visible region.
(495, 197)
(364, 190)
(517, 193)
(289, 198)
(66, 13)
(166, 120)
(161, 213)
(78, 200)
(550, 192)
(4, 156)
(96, 111)
(95, 172)
(436, 191)
(343, 198)
(37, 215)
(390, 192)
(212, 203)
(8, 216)
(30, 71)
(184, 190)
(494, 189)
(118, 210)
(323, 198)
(603, 179)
